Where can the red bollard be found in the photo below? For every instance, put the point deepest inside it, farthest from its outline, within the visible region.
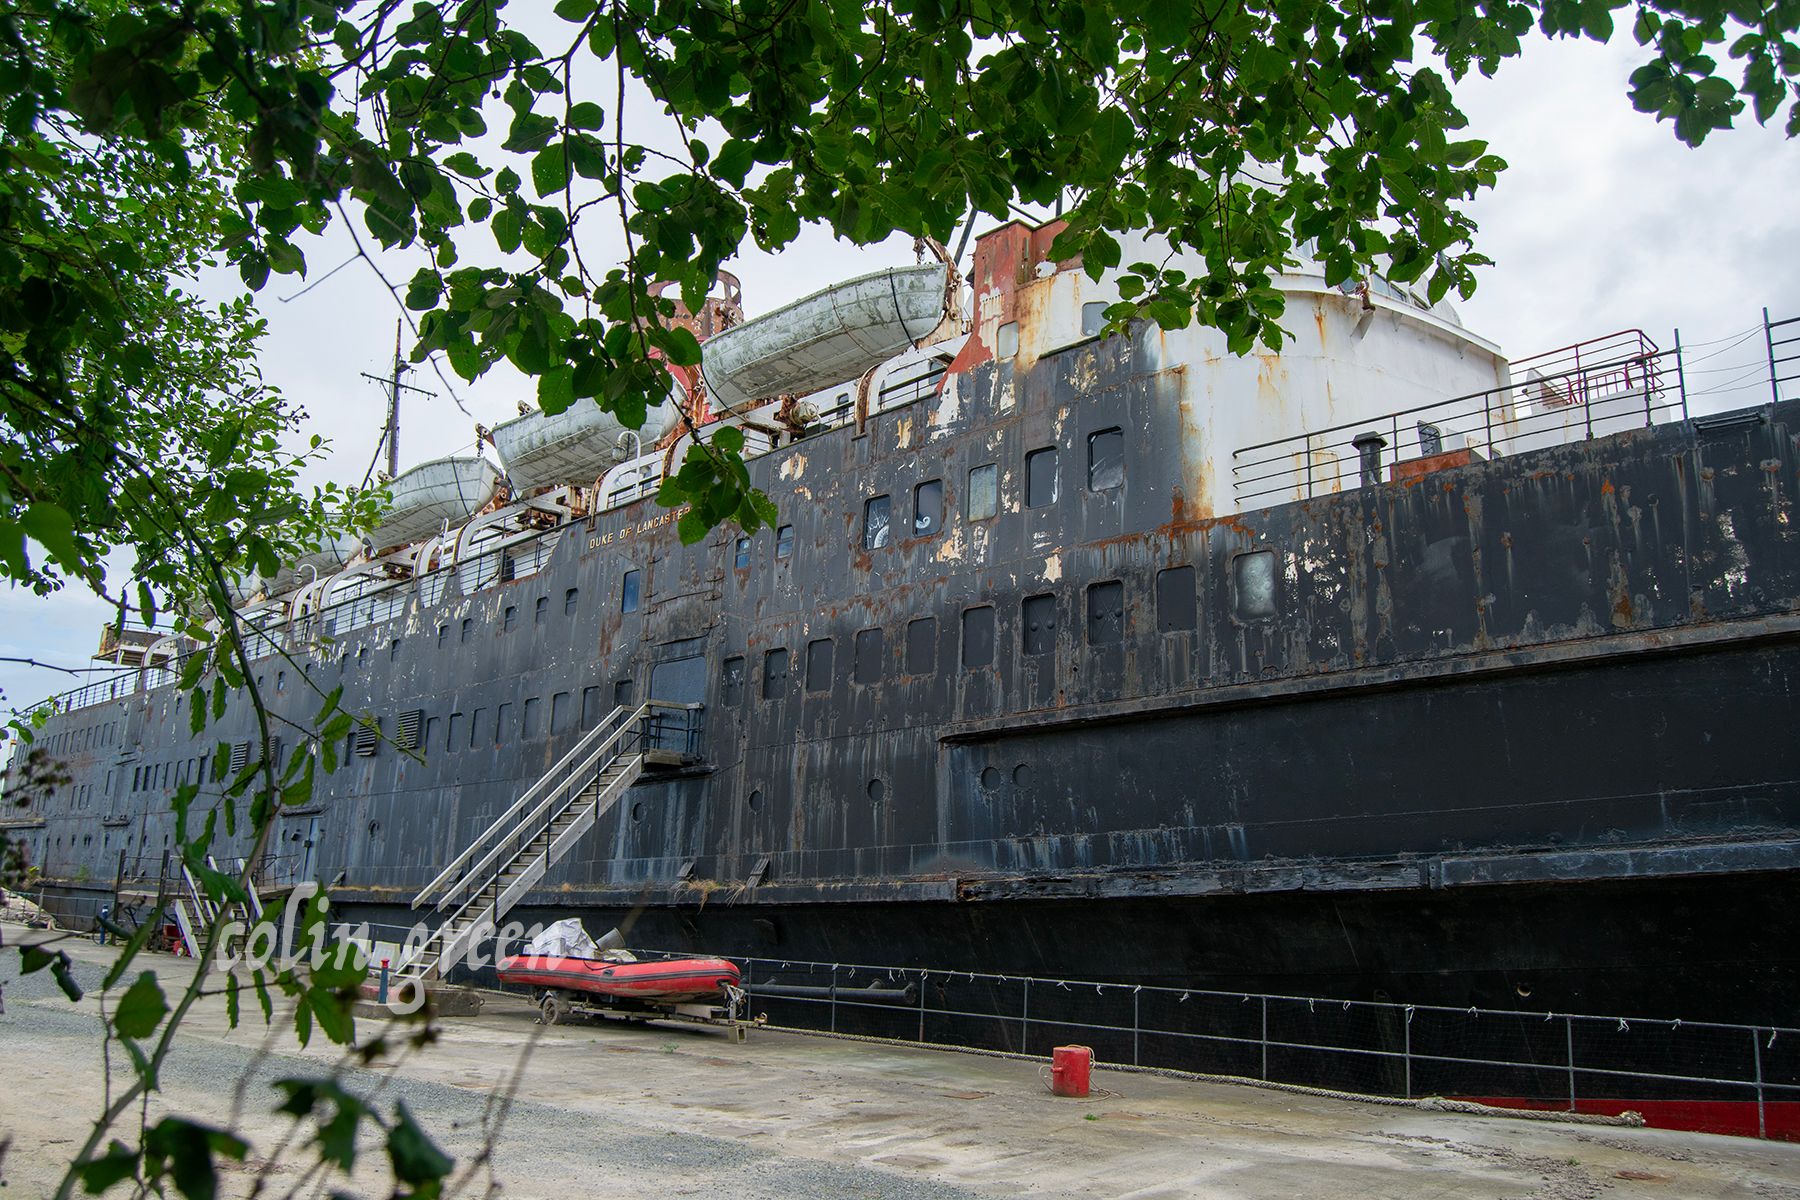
(1069, 1069)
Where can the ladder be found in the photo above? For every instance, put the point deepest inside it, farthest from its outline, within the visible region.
(196, 913)
(512, 855)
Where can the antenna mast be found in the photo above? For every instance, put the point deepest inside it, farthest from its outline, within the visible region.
(392, 433)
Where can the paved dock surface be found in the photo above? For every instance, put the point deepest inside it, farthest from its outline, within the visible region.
(612, 1110)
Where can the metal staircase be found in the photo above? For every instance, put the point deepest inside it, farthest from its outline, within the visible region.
(512, 855)
(196, 913)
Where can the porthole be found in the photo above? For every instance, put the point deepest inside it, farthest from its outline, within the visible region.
(755, 801)
(637, 811)
(877, 790)
(1022, 775)
(374, 828)
(991, 778)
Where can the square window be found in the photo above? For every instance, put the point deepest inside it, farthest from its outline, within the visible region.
(784, 542)
(1253, 579)
(629, 592)
(362, 656)
(534, 708)
(818, 665)
(453, 739)
(1040, 477)
(875, 522)
(570, 598)
(977, 636)
(468, 626)
(1106, 613)
(928, 508)
(1037, 615)
(394, 650)
(562, 711)
(775, 663)
(731, 684)
(590, 707)
(443, 634)
(621, 693)
(741, 557)
(1006, 340)
(921, 646)
(1093, 318)
(1176, 608)
(475, 725)
(541, 611)
(1106, 460)
(871, 646)
(511, 615)
(502, 722)
(983, 499)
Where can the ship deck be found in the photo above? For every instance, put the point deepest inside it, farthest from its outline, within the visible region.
(602, 1107)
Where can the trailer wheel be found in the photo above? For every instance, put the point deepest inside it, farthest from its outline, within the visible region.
(553, 1009)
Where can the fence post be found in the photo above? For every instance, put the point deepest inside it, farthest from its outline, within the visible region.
(1024, 1019)
(1569, 1042)
(834, 997)
(1762, 1122)
(1681, 374)
(1769, 339)
(922, 978)
(1407, 1030)
(1136, 995)
(1265, 1037)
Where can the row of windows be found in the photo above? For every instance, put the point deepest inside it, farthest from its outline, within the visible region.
(75, 740)
(1105, 473)
(511, 721)
(1177, 611)
(152, 776)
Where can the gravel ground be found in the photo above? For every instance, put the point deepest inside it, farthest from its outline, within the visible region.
(624, 1111)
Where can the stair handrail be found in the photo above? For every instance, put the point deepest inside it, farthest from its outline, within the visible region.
(514, 818)
(597, 733)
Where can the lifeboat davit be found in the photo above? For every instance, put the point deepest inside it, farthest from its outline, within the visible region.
(428, 495)
(828, 337)
(666, 981)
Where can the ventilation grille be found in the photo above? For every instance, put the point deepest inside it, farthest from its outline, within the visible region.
(407, 735)
(366, 738)
(240, 758)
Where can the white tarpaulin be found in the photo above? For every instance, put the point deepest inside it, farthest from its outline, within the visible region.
(563, 939)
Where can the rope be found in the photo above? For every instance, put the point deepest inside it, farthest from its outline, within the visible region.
(1629, 1120)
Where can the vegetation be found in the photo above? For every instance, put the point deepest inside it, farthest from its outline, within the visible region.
(140, 143)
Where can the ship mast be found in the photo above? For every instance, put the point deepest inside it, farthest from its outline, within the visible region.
(391, 435)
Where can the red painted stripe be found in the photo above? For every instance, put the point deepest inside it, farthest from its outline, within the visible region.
(1780, 1118)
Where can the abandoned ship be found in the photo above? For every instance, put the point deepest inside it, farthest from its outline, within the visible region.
(1382, 667)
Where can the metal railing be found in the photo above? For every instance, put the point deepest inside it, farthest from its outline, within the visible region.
(1783, 341)
(1578, 392)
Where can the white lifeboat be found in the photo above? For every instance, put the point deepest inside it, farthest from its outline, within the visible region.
(423, 498)
(828, 337)
(576, 445)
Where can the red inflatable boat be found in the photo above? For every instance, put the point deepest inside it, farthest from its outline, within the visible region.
(664, 981)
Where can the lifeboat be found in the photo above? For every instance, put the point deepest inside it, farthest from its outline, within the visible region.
(576, 445)
(828, 337)
(428, 495)
(666, 981)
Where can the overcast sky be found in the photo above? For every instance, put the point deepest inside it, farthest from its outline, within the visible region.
(1602, 222)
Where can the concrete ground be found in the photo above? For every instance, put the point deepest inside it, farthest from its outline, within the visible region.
(613, 1110)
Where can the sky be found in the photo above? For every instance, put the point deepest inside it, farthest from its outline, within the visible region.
(1602, 222)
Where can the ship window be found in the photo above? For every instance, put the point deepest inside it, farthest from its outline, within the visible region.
(362, 656)
(1038, 617)
(475, 724)
(1093, 318)
(621, 693)
(741, 554)
(871, 645)
(511, 616)
(534, 706)
(983, 500)
(818, 665)
(978, 636)
(560, 712)
(280, 687)
(1106, 460)
(928, 508)
(732, 690)
(774, 673)
(502, 722)
(453, 737)
(443, 634)
(875, 522)
(629, 591)
(1106, 612)
(921, 646)
(541, 611)
(590, 707)
(1006, 341)
(394, 650)
(1040, 477)
(784, 542)
(431, 731)
(467, 625)
(1175, 608)
(570, 598)
(1253, 577)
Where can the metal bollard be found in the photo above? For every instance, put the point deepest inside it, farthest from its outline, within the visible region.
(384, 981)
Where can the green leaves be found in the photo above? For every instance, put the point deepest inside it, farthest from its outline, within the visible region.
(416, 1159)
(141, 1009)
